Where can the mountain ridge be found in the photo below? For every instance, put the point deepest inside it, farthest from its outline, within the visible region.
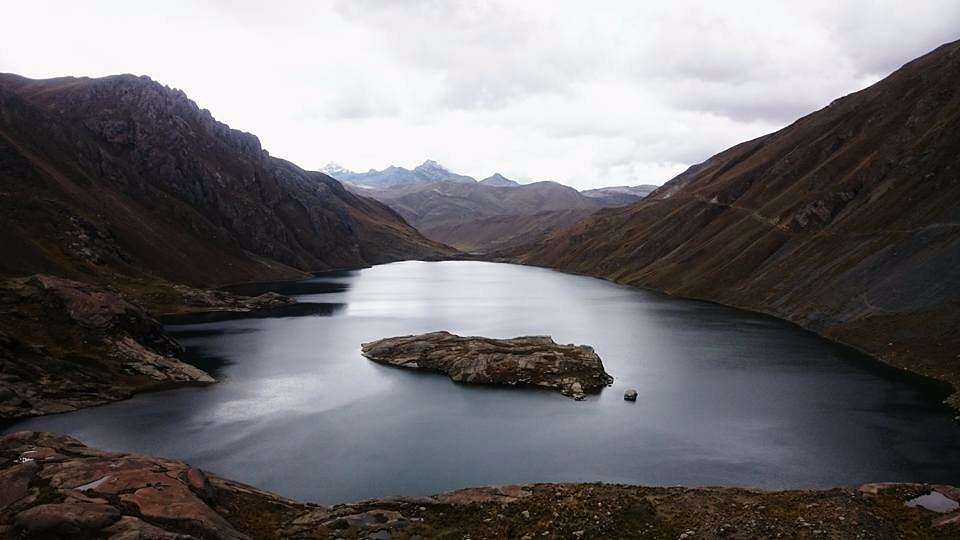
(123, 174)
(120, 196)
(846, 222)
(392, 176)
(492, 214)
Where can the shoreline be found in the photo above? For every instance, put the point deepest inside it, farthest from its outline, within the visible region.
(57, 486)
(950, 390)
(528, 509)
(943, 390)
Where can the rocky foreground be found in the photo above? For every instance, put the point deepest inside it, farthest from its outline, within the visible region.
(55, 487)
(572, 370)
(66, 345)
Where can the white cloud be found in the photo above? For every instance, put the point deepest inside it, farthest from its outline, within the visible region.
(586, 93)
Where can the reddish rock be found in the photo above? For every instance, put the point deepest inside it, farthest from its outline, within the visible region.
(60, 488)
(66, 520)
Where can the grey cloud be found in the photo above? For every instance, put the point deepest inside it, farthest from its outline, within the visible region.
(607, 92)
(881, 37)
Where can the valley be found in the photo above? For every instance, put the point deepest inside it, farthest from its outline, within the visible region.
(784, 317)
(726, 397)
(481, 216)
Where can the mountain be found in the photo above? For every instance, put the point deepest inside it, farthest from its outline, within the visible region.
(493, 214)
(498, 180)
(428, 171)
(121, 175)
(117, 192)
(462, 214)
(490, 215)
(504, 231)
(620, 195)
(846, 222)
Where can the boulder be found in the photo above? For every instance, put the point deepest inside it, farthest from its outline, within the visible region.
(630, 395)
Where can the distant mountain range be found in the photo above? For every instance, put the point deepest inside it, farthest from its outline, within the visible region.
(620, 195)
(498, 180)
(428, 171)
(492, 214)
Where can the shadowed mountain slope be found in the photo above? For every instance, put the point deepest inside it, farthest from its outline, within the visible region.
(846, 222)
(123, 175)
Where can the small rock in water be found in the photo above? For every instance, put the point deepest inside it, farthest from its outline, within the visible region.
(630, 395)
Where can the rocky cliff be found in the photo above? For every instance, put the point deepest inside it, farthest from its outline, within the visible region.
(846, 222)
(65, 345)
(124, 175)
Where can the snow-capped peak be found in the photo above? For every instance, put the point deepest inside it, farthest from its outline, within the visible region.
(334, 169)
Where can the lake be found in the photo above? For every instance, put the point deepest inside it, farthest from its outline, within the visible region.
(725, 396)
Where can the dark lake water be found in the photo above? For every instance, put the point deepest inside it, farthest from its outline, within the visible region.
(726, 397)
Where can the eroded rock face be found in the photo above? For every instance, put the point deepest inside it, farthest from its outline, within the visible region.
(88, 493)
(572, 370)
(66, 345)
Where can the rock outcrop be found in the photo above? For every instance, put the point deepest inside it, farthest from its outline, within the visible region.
(55, 487)
(66, 345)
(219, 300)
(58, 488)
(572, 370)
(846, 222)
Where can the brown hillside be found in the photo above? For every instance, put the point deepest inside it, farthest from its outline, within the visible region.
(846, 222)
(504, 231)
(124, 175)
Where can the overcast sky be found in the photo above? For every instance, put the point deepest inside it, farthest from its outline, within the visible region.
(588, 93)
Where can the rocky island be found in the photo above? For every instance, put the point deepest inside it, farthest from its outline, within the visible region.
(572, 370)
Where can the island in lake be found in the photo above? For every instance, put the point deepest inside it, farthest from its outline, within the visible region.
(572, 370)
